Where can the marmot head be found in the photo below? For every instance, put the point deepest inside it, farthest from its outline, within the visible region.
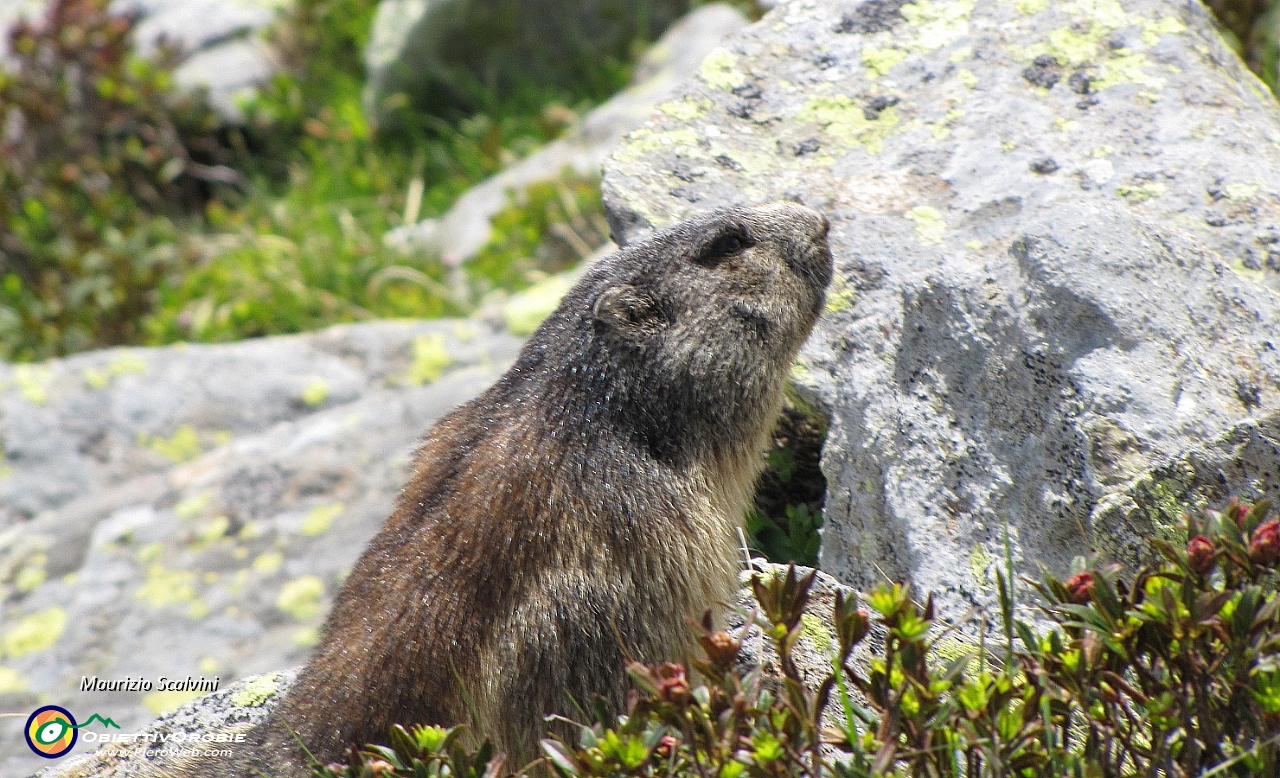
(686, 337)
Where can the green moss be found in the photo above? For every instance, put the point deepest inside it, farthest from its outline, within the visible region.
(300, 598)
(33, 633)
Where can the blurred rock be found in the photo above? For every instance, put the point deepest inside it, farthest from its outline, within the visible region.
(191, 510)
(464, 230)
(439, 54)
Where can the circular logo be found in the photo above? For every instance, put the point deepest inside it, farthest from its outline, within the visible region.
(51, 731)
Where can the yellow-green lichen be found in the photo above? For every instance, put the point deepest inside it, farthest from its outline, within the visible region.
(315, 393)
(12, 681)
(182, 446)
(1105, 150)
(930, 226)
(256, 691)
(166, 587)
(300, 598)
(687, 109)
(526, 310)
(1166, 509)
(949, 649)
(1138, 193)
(1165, 25)
(1240, 191)
(644, 141)
(1126, 68)
(320, 518)
(1007, 146)
(267, 562)
(30, 574)
(844, 121)
(840, 296)
(122, 364)
(163, 702)
(127, 363)
(811, 627)
(33, 633)
(209, 666)
(979, 565)
(939, 24)
(1030, 7)
(720, 70)
(33, 383)
(880, 61)
(194, 506)
(430, 358)
(212, 530)
(973, 245)
(967, 77)
(942, 127)
(306, 637)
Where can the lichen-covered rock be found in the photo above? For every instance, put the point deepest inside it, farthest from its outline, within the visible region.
(191, 510)
(1054, 228)
(222, 40)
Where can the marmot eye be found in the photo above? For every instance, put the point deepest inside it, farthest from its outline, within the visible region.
(727, 245)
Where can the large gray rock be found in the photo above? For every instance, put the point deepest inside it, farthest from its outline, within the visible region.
(1054, 227)
(462, 232)
(439, 52)
(191, 510)
(222, 39)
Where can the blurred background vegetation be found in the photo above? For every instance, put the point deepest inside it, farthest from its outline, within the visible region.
(129, 215)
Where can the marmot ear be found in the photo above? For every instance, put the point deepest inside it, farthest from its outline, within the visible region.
(629, 311)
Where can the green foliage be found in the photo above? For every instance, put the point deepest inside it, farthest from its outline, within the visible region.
(304, 249)
(1173, 672)
(102, 162)
(783, 523)
(549, 228)
(1252, 27)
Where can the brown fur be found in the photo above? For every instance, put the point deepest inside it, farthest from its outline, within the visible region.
(573, 515)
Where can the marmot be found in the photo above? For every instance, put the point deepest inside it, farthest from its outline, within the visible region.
(573, 515)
